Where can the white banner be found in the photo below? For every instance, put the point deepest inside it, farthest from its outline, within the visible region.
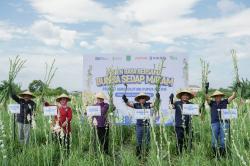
(50, 111)
(190, 109)
(93, 111)
(227, 114)
(140, 72)
(14, 108)
(142, 113)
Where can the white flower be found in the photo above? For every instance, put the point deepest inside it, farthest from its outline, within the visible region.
(2, 146)
(4, 156)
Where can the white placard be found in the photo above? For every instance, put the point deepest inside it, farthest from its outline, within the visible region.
(142, 113)
(94, 111)
(14, 108)
(227, 114)
(50, 111)
(190, 109)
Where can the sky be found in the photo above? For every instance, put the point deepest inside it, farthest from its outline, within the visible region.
(42, 30)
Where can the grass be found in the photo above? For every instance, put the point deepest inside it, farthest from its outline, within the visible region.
(43, 151)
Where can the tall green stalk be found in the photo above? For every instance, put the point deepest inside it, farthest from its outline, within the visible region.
(16, 65)
(204, 79)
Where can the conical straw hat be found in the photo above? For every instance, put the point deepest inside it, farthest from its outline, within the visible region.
(63, 96)
(101, 95)
(217, 93)
(28, 93)
(142, 95)
(179, 94)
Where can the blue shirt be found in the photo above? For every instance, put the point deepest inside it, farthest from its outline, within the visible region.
(181, 120)
(139, 106)
(216, 109)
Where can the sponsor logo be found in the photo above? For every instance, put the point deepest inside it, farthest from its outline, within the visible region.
(128, 58)
(115, 58)
(173, 57)
(157, 58)
(141, 58)
(98, 58)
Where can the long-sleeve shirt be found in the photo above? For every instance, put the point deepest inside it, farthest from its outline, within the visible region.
(180, 119)
(102, 120)
(26, 109)
(64, 114)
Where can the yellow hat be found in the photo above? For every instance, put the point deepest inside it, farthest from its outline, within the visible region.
(101, 95)
(179, 94)
(217, 93)
(27, 93)
(63, 96)
(142, 95)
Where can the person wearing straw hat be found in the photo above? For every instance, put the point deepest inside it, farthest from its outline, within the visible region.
(101, 122)
(64, 117)
(183, 122)
(24, 118)
(219, 127)
(142, 125)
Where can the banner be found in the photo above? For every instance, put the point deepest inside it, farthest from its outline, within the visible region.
(94, 111)
(140, 72)
(14, 108)
(190, 109)
(50, 111)
(227, 114)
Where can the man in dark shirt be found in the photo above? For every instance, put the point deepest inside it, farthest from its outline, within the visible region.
(24, 118)
(219, 127)
(142, 125)
(182, 122)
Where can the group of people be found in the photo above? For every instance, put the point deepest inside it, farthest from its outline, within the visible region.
(183, 123)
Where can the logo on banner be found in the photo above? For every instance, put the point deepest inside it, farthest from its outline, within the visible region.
(98, 58)
(128, 58)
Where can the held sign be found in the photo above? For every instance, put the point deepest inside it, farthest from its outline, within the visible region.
(142, 113)
(227, 114)
(190, 109)
(14, 108)
(94, 111)
(50, 111)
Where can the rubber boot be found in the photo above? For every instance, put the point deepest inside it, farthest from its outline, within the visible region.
(215, 152)
(138, 152)
(222, 152)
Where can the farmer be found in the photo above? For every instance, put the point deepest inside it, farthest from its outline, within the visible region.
(101, 122)
(24, 119)
(219, 127)
(142, 125)
(183, 122)
(64, 118)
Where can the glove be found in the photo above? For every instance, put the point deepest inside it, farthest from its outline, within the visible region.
(207, 86)
(125, 99)
(158, 95)
(171, 98)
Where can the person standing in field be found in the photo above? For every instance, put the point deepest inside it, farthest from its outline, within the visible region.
(183, 128)
(142, 125)
(101, 122)
(219, 127)
(64, 118)
(24, 118)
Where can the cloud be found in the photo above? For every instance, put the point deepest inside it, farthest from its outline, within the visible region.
(8, 32)
(121, 37)
(148, 11)
(86, 45)
(75, 11)
(53, 35)
(228, 7)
